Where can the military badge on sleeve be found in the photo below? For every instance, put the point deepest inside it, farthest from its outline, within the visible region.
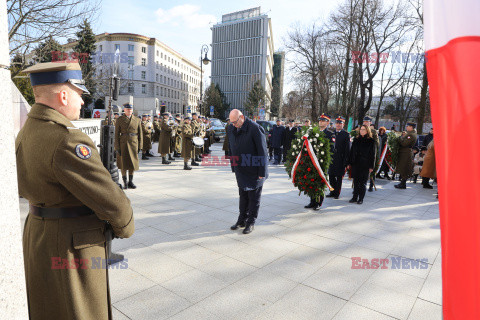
(83, 152)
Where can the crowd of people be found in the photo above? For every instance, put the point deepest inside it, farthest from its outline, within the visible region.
(188, 137)
(358, 152)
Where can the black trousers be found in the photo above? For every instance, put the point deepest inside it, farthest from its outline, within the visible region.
(277, 153)
(249, 205)
(360, 184)
(320, 202)
(336, 183)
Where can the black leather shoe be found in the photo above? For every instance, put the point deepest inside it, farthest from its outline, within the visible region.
(165, 161)
(379, 176)
(310, 205)
(144, 157)
(427, 186)
(170, 158)
(353, 200)
(370, 189)
(149, 154)
(236, 226)
(125, 184)
(194, 163)
(186, 166)
(248, 229)
(359, 201)
(316, 206)
(330, 195)
(400, 186)
(131, 185)
(335, 197)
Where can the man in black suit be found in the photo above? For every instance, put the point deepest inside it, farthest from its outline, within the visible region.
(278, 140)
(323, 122)
(249, 160)
(289, 136)
(341, 150)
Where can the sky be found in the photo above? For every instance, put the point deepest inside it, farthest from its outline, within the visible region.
(185, 25)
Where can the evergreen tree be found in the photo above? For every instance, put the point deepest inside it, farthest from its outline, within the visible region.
(225, 105)
(256, 97)
(44, 50)
(212, 98)
(85, 48)
(23, 84)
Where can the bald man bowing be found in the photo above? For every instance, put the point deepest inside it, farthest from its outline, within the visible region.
(248, 150)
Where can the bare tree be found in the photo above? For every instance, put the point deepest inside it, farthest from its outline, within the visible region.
(33, 21)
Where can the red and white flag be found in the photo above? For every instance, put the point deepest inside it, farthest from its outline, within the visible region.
(452, 42)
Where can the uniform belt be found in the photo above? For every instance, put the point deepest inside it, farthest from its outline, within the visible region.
(57, 213)
(130, 134)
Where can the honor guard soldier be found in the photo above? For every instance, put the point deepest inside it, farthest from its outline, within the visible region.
(165, 137)
(187, 143)
(146, 131)
(197, 128)
(156, 129)
(341, 149)
(323, 122)
(405, 155)
(73, 201)
(368, 122)
(115, 117)
(178, 136)
(128, 143)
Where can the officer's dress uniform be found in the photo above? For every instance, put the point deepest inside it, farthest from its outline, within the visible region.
(128, 143)
(178, 139)
(187, 145)
(147, 142)
(196, 126)
(164, 143)
(156, 131)
(341, 149)
(71, 195)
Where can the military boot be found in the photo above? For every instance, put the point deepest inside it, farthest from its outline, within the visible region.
(194, 163)
(402, 184)
(130, 182)
(370, 188)
(125, 186)
(164, 161)
(144, 156)
(186, 166)
(170, 157)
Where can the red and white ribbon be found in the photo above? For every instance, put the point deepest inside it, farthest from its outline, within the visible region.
(314, 159)
(382, 156)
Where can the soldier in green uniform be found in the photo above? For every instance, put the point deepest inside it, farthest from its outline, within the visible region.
(187, 143)
(178, 136)
(128, 143)
(405, 155)
(197, 128)
(165, 138)
(115, 117)
(147, 134)
(72, 197)
(156, 129)
(368, 122)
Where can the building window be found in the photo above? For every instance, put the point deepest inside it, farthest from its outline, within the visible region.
(144, 75)
(117, 47)
(156, 77)
(130, 60)
(130, 47)
(101, 48)
(130, 74)
(130, 87)
(157, 91)
(144, 49)
(144, 62)
(158, 52)
(144, 88)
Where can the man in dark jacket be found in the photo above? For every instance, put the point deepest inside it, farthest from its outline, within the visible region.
(341, 149)
(428, 138)
(278, 140)
(289, 136)
(249, 160)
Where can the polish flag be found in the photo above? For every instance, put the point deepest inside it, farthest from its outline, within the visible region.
(452, 42)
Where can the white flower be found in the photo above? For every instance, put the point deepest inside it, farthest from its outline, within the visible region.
(293, 153)
(321, 160)
(317, 135)
(321, 144)
(294, 147)
(322, 153)
(315, 139)
(305, 149)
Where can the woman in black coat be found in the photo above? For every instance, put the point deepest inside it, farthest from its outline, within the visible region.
(361, 161)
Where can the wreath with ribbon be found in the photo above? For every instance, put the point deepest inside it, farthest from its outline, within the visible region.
(393, 148)
(308, 160)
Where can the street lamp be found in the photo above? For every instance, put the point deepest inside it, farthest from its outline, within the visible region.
(203, 61)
